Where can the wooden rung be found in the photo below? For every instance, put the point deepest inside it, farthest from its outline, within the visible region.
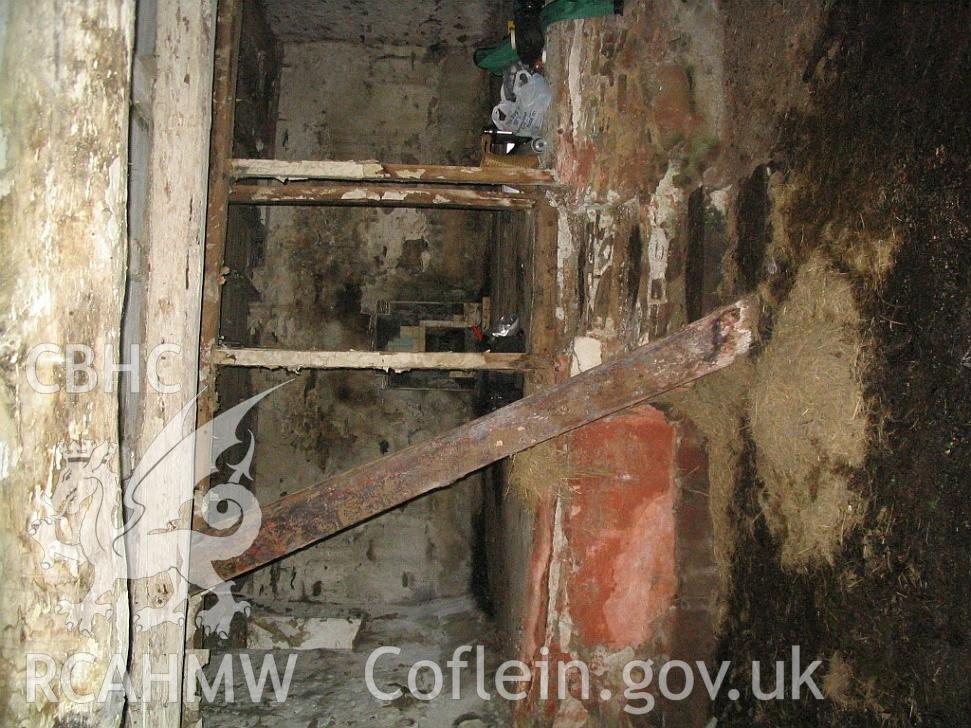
(338, 502)
(375, 195)
(385, 360)
(378, 172)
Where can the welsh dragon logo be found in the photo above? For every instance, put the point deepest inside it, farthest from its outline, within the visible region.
(86, 521)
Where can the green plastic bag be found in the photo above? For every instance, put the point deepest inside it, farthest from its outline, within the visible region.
(500, 57)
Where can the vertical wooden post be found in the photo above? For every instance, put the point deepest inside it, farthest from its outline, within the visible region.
(228, 25)
(523, 616)
(229, 17)
(542, 315)
(171, 217)
(64, 108)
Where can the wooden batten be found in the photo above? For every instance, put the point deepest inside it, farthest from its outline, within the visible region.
(372, 171)
(383, 360)
(380, 195)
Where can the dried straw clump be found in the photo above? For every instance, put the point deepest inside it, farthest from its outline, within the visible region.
(546, 468)
(541, 469)
(809, 417)
(865, 243)
(842, 685)
(869, 255)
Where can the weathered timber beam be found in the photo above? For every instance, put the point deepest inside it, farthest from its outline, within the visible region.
(314, 513)
(229, 23)
(386, 360)
(379, 195)
(378, 172)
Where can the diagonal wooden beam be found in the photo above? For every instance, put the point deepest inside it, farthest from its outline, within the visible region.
(314, 513)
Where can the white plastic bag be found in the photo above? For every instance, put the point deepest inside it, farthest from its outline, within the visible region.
(521, 111)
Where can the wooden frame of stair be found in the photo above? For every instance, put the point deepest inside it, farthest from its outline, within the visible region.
(332, 182)
(229, 22)
(319, 511)
(372, 171)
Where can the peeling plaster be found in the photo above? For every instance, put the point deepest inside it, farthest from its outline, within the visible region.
(722, 198)
(558, 621)
(411, 174)
(574, 76)
(5, 460)
(565, 253)
(587, 354)
(663, 214)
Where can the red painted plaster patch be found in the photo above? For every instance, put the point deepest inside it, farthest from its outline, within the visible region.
(620, 528)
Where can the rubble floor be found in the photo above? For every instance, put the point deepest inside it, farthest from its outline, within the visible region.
(328, 686)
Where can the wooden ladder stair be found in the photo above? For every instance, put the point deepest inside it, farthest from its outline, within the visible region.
(313, 514)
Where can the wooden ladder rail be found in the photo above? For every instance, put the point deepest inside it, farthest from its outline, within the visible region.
(229, 17)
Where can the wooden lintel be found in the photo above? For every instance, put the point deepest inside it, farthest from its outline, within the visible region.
(379, 195)
(314, 513)
(385, 360)
(378, 172)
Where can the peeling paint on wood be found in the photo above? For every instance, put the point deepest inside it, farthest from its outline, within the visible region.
(384, 360)
(374, 195)
(65, 72)
(177, 112)
(376, 171)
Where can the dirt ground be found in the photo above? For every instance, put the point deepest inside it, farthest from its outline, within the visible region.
(875, 174)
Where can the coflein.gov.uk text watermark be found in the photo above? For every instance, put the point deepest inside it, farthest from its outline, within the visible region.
(674, 680)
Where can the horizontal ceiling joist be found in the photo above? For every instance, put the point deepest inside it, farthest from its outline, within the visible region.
(349, 194)
(385, 360)
(371, 171)
(334, 504)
